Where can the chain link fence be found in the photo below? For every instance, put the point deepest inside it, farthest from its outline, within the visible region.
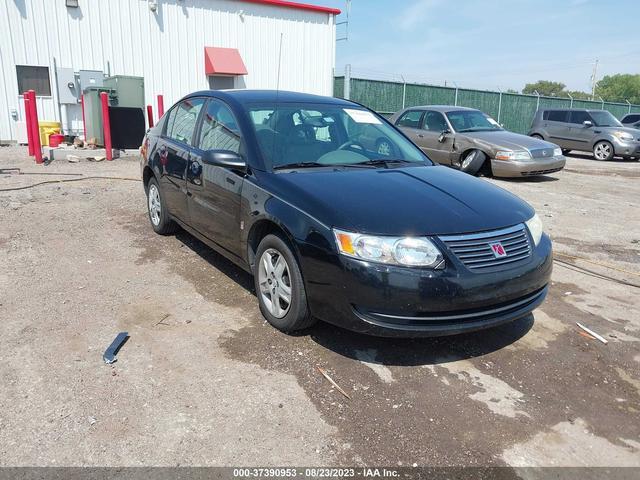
(513, 110)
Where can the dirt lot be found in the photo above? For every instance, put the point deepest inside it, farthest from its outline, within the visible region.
(204, 381)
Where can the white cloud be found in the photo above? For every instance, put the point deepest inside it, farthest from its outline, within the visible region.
(416, 13)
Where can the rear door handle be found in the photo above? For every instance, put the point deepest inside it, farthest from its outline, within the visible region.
(231, 181)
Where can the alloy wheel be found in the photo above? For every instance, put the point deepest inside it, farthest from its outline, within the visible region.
(274, 281)
(155, 207)
(602, 151)
(468, 159)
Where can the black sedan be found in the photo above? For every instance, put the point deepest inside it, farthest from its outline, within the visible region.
(385, 243)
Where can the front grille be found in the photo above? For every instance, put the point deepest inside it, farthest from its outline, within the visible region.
(540, 172)
(542, 153)
(475, 252)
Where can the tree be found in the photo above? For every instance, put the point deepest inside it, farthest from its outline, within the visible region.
(545, 88)
(620, 87)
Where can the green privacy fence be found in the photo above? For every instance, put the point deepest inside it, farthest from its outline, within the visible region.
(513, 110)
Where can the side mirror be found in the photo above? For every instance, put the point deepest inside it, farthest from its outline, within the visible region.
(224, 158)
(443, 135)
(587, 123)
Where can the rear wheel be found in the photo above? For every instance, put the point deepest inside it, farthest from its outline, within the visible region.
(472, 161)
(603, 150)
(279, 286)
(158, 213)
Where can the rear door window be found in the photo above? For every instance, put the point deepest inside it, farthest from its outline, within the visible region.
(182, 120)
(558, 116)
(579, 117)
(410, 119)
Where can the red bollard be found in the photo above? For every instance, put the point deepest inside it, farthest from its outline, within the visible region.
(150, 115)
(35, 128)
(27, 121)
(106, 126)
(84, 123)
(160, 106)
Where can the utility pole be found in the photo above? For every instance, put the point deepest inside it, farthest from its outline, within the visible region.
(594, 79)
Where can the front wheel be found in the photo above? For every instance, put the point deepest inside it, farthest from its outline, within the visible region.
(279, 286)
(539, 137)
(603, 150)
(566, 151)
(472, 162)
(158, 214)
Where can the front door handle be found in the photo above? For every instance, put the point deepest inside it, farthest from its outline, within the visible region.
(231, 181)
(420, 135)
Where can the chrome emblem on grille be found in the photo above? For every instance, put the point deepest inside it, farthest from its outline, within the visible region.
(544, 153)
(498, 250)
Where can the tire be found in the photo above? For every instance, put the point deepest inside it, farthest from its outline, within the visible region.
(538, 136)
(603, 151)
(384, 147)
(283, 283)
(566, 151)
(158, 213)
(472, 161)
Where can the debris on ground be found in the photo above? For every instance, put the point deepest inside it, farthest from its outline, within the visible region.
(592, 333)
(326, 375)
(110, 353)
(73, 158)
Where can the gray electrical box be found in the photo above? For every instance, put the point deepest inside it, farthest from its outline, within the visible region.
(68, 88)
(90, 78)
(93, 112)
(129, 90)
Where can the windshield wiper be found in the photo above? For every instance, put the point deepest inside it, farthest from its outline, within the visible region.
(381, 161)
(301, 165)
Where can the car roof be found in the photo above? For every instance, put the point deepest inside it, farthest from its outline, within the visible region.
(573, 110)
(441, 108)
(242, 96)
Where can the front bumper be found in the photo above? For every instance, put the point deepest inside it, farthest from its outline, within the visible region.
(535, 166)
(626, 149)
(394, 301)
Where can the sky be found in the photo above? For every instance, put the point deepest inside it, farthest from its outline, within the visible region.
(489, 44)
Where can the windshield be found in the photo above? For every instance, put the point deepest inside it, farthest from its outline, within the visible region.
(472, 121)
(602, 118)
(304, 134)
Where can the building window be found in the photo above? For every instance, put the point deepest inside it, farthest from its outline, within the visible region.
(34, 78)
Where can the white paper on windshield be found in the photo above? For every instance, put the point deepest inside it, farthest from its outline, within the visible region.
(492, 121)
(362, 116)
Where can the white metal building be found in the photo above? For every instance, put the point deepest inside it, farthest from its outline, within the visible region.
(177, 46)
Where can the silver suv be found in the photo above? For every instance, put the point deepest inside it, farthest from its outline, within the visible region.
(587, 130)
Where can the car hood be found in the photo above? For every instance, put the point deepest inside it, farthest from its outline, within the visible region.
(426, 200)
(629, 130)
(503, 139)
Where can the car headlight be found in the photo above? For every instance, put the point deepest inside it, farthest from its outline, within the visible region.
(406, 251)
(557, 152)
(534, 224)
(513, 155)
(627, 137)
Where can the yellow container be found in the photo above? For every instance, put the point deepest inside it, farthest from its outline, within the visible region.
(46, 129)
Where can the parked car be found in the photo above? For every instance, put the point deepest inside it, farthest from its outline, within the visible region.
(281, 184)
(586, 130)
(631, 120)
(472, 141)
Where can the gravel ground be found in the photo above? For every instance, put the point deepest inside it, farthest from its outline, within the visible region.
(204, 380)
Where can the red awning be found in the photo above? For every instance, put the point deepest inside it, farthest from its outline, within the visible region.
(223, 61)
